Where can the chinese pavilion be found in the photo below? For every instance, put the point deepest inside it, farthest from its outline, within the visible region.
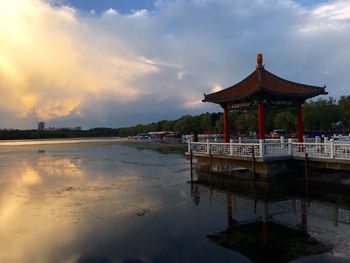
(264, 90)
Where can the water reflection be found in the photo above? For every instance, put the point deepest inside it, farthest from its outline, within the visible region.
(102, 203)
(50, 201)
(111, 203)
(280, 221)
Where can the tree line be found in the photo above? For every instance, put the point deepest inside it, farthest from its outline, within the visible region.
(51, 134)
(327, 115)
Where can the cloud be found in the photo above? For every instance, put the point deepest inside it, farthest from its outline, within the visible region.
(67, 66)
(329, 16)
(111, 12)
(51, 63)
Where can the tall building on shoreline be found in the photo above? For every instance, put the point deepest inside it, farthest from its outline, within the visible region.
(41, 126)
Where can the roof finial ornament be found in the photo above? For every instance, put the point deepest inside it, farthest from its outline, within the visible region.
(259, 61)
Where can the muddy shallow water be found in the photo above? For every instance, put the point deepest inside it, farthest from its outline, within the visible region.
(101, 203)
(105, 202)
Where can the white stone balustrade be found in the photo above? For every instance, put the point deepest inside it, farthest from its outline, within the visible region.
(328, 149)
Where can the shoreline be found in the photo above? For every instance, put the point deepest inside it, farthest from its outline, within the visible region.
(162, 147)
(24, 142)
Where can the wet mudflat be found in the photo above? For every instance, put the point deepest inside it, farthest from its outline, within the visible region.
(107, 202)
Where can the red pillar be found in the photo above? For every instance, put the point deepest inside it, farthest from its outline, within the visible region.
(261, 120)
(226, 126)
(300, 123)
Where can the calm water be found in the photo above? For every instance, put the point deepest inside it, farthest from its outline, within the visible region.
(104, 202)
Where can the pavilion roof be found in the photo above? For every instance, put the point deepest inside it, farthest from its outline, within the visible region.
(263, 85)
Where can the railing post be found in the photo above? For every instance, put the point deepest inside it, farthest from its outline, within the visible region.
(261, 147)
(231, 147)
(208, 149)
(282, 139)
(191, 164)
(331, 146)
(317, 139)
(290, 149)
(325, 141)
(189, 145)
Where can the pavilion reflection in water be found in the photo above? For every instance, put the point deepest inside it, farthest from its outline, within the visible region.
(278, 221)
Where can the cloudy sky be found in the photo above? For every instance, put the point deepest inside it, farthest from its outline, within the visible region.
(117, 63)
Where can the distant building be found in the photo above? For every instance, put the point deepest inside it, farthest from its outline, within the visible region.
(41, 126)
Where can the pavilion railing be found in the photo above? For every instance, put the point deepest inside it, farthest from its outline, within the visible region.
(328, 149)
(320, 150)
(276, 149)
(232, 149)
(342, 151)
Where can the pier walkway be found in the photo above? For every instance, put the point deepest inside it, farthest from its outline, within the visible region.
(275, 149)
(329, 154)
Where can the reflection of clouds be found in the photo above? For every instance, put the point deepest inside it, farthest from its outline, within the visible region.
(30, 177)
(59, 166)
(49, 202)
